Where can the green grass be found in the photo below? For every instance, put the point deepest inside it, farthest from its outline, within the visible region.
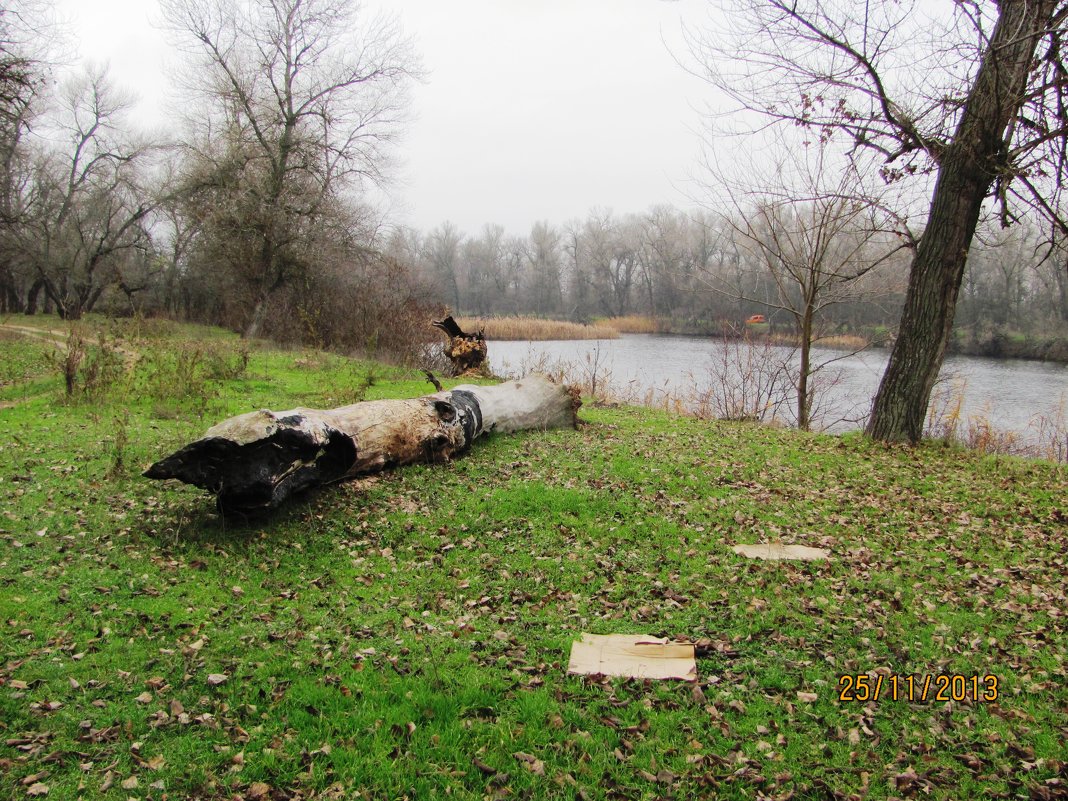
(408, 635)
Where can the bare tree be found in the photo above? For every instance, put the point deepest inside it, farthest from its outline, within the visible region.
(1053, 274)
(442, 255)
(18, 85)
(665, 265)
(484, 277)
(177, 232)
(543, 257)
(809, 227)
(88, 203)
(26, 37)
(304, 99)
(976, 99)
(611, 254)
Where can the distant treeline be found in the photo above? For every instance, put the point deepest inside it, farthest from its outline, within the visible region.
(695, 274)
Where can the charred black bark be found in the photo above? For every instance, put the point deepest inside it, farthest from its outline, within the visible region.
(450, 327)
(260, 475)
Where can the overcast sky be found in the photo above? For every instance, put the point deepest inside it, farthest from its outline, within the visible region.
(531, 109)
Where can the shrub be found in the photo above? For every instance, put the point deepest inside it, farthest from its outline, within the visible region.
(185, 374)
(89, 369)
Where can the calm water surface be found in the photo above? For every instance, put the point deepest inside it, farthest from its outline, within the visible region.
(1011, 394)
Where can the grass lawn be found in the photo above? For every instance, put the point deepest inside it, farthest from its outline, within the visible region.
(407, 636)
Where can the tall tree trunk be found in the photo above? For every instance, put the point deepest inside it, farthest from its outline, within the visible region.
(968, 168)
(31, 296)
(259, 314)
(12, 302)
(1062, 291)
(927, 319)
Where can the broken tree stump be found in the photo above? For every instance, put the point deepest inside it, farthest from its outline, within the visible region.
(466, 352)
(254, 462)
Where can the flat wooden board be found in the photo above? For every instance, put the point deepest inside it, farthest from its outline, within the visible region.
(633, 656)
(777, 552)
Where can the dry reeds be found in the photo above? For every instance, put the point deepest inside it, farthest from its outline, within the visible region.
(1046, 435)
(836, 342)
(634, 324)
(534, 328)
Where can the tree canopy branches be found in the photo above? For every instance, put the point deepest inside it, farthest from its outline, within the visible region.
(300, 101)
(973, 95)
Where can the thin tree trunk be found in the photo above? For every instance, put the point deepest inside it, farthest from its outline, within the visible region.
(804, 410)
(967, 171)
(1061, 278)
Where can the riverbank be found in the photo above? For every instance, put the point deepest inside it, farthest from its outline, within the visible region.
(409, 634)
(1001, 406)
(1051, 347)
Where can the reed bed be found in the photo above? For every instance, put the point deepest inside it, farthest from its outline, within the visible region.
(1045, 437)
(835, 342)
(843, 342)
(534, 328)
(634, 324)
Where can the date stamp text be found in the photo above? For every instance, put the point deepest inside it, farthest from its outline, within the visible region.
(934, 687)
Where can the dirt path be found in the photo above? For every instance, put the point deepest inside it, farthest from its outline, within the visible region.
(58, 339)
(52, 335)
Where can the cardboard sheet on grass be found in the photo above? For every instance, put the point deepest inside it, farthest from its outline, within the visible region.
(632, 655)
(777, 552)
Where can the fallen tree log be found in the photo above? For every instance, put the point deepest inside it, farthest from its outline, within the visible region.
(254, 462)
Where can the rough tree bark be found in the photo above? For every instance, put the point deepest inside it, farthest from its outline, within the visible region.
(974, 159)
(255, 461)
(467, 352)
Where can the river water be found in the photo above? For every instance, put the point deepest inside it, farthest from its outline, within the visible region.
(1012, 395)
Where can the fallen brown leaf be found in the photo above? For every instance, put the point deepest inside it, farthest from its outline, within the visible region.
(531, 762)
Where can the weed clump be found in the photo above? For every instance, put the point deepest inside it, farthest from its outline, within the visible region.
(185, 375)
(90, 368)
(1046, 435)
(176, 374)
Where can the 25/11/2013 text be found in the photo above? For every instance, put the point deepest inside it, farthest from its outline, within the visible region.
(929, 687)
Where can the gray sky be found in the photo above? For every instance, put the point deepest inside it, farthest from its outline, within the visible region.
(531, 109)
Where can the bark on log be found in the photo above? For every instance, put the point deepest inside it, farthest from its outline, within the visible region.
(255, 461)
(467, 352)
